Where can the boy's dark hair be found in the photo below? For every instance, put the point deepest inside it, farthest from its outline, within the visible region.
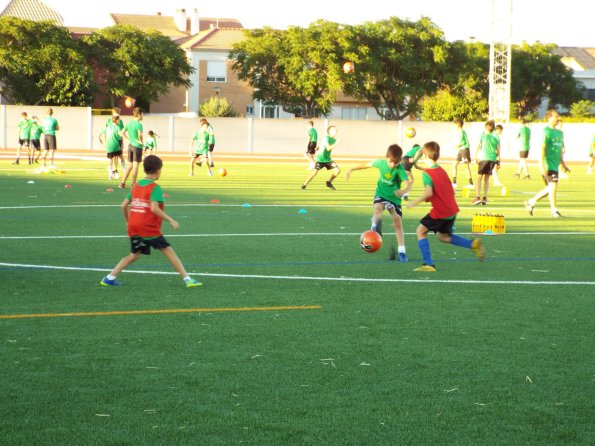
(311, 123)
(394, 152)
(203, 121)
(115, 118)
(499, 127)
(50, 111)
(432, 150)
(490, 125)
(115, 111)
(152, 164)
(24, 114)
(459, 122)
(151, 133)
(137, 111)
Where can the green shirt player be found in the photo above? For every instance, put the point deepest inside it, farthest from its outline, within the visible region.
(133, 131)
(24, 128)
(389, 191)
(490, 155)
(36, 131)
(312, 145)
(463, 149)
(552, 156)
(200, 145)
(439, 192)
(50, 125)
(324, 159)
(111, 139)
(524, 138)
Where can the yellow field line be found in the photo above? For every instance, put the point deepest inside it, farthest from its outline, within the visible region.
(177, 310)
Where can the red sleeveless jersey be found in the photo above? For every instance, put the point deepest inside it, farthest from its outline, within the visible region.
(142, 221)
(443, 200)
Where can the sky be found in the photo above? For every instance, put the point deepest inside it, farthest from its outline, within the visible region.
(563, 22)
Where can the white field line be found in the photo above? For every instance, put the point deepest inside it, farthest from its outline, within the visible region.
(262, 234)
(312, 278)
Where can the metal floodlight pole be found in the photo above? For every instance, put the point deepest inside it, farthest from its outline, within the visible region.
(500, 61)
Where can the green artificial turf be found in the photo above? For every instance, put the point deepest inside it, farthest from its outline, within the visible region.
(378, 353)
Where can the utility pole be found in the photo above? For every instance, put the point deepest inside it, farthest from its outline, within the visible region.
(500, 61)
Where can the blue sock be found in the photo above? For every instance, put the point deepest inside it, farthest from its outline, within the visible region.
(457, 240)
(424, 247)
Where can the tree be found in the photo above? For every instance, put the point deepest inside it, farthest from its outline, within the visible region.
(445, 106)
(135, 63)
(582, 109)
(41, 64)
(398, 62)
(217, 107)
(299, 69)
(538, 73)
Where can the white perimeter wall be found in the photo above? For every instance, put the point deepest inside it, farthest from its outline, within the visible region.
(80, 130)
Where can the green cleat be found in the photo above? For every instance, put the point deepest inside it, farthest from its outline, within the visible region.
(426, 269)
(192, 283)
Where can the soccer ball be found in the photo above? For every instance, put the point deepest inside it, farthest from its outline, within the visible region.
(129, 102)
(348, 67)
(222, 172)
(370, 241)
(410, 132)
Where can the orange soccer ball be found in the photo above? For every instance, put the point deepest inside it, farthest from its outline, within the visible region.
(348, 67)
(410, 132)
(129, 102)
(222, 172)
(370, 241)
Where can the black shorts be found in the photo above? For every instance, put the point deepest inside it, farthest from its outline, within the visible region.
(36, 144)
(550, 177)
(143, 245)
(121, 141)
(49, 142)
(111, 155)
(438, 225)
(406, 163)
(486, 167)
(311, 148)
(524, 154)
(211, 147)
(135, 154)
(464, 156)
(24, 142)
(388, 205)
(327, 166)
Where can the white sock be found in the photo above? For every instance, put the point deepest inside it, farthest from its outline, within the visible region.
(402, 250)
(187, 278)
(110, 277)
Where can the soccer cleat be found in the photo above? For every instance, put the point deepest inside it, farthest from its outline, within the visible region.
(454, 185)
(16, 162)
(210, 173)
(199, 164)
(529, 207)
(484, 201)
(110, 176)
(403, 257)
(556, 214)
(116, 175)
(406, 197)
(426, 269)
(330, 185)
(303, 187)
(212, 164)
(477, 201)
(478, 249)
(106, 282)
(192, 283)
(527, 177)
(191, 174)
(392, 254)
(122, 186)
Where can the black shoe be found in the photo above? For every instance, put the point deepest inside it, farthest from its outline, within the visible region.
(330, 185)
(16, 162)
(212, 164)
(392, 254)
(527, 177)
(199, 163)
(303, 187)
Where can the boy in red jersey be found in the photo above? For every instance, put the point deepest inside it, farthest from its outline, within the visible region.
(439, 192)
(143, 211)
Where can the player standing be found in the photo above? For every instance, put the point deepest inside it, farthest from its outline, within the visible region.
(133, 131)
(524, 138)
(200, 142)
(312, 145)
(490, 145)
(50, 126)
(24, 128)
(463, 154)
(324, 159)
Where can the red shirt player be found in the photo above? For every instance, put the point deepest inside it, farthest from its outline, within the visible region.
(439, 192)
(143, 211)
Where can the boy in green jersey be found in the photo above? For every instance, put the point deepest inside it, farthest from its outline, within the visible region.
(133, 131)
(116, 113)
(490, 155)
(24, 128)
(50, 126)
(388, 194)
(463, 149)
(150, 146)
(110, 137)
(312, 145)
(524, 138)
(439, 192)
(592, 156)
(211, 143)
(36, 131)
(324, 160)
(552, 156)
(200, 148)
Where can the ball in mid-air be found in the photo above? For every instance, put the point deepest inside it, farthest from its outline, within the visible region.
(222, 172)
(370, 241)
(129, 102)
(410, 132)
(348, 67)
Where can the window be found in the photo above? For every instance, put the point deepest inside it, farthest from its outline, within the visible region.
(270, 111)
(249, 110)
(354, 113)
(216, 71)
